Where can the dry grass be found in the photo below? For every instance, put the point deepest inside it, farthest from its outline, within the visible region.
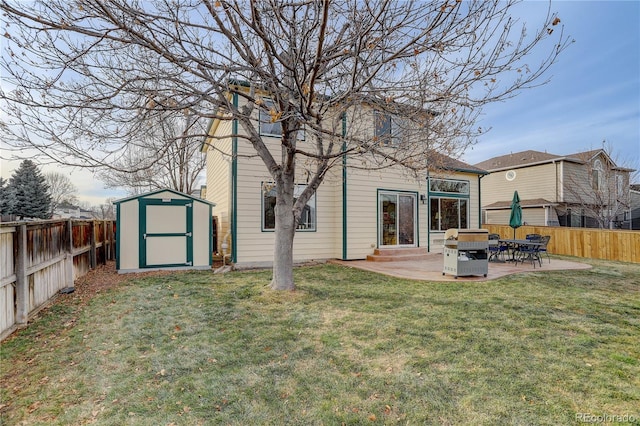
(347, 347)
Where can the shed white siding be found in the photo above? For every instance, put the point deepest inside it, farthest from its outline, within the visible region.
(159, 219)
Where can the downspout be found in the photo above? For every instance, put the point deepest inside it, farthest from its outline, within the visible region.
(344, 186)
(428, 214)
(480, 200)
(234, 185)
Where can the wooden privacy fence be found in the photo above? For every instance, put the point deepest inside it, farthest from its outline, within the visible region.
(619, 245)
(38, 259)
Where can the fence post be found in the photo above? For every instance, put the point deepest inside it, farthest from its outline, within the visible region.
(22, 280)
(112, 238)
(93, 256)
(69, 259)
(105, 251)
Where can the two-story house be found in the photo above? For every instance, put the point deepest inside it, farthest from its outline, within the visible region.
(353, 212)
(585, 189)
(631, 219)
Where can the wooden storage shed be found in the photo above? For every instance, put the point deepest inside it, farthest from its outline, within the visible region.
(164, 229)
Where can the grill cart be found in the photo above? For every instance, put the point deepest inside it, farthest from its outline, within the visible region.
(466, 252)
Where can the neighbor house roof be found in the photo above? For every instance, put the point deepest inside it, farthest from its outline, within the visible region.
(532, 158)
(521, 159)
(534, 202)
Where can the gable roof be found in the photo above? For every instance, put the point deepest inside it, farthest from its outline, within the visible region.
(520, 159)
(146, 194)
(532, 158)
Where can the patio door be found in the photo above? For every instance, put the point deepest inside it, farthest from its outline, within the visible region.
(166, 232)
(397, 219)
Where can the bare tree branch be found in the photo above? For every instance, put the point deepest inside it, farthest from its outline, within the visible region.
(79, 78)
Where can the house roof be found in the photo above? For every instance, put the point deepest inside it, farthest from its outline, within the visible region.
(146, 194)
(534, 202)
(532, 158)
(521, 159)
(445, 162)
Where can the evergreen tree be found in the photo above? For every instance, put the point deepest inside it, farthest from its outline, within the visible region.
(5, 198)
(29, 192)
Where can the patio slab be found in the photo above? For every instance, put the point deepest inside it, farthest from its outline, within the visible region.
(430, 269)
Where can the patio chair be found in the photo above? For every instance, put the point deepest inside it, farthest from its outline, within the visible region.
(526, 252)
(496, 249)
(543, 248)
(533, 237)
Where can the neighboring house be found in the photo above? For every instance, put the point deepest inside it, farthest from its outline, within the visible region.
(585, 189)
(631, 218)
(68, 211)
(353, 211)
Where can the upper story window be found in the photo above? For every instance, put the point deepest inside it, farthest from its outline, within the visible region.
(449, 186)
(620, 185)
(388, 129)
(597, 175)
(269, 126)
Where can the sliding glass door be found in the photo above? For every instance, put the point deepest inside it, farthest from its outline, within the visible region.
(397, 219)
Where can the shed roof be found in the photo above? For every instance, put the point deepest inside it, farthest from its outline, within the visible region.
(146, 194)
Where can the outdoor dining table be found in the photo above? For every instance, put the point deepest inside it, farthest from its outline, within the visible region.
(532, 254)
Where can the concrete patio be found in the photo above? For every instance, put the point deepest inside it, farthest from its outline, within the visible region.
(430, 268)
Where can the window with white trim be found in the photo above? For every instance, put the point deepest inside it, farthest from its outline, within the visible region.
(620, 185)
(597, 175)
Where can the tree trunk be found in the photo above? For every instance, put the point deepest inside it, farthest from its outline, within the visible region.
(283, 248)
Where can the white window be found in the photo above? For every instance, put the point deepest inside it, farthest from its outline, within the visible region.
(620, 185)
(307, 220)
(597, 175)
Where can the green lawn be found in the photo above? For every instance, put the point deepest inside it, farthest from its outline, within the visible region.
(348, 347)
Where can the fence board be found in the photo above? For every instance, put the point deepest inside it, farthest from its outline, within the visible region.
(55, 253)
(608, 244)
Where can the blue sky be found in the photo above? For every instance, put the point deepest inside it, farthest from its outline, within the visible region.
(593, 95)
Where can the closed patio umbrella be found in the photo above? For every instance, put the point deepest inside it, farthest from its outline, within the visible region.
(515, 219)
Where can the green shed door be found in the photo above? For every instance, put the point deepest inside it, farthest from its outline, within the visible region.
(166, 233)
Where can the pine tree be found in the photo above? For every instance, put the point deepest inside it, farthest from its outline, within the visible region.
(29, 192)
(5, 198)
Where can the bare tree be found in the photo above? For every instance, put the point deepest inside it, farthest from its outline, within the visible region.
(598, 188)
(81, 71)
(61, 189)
(170, 147)
(105, 211)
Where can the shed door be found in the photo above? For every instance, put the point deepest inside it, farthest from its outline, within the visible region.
(166, 232)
